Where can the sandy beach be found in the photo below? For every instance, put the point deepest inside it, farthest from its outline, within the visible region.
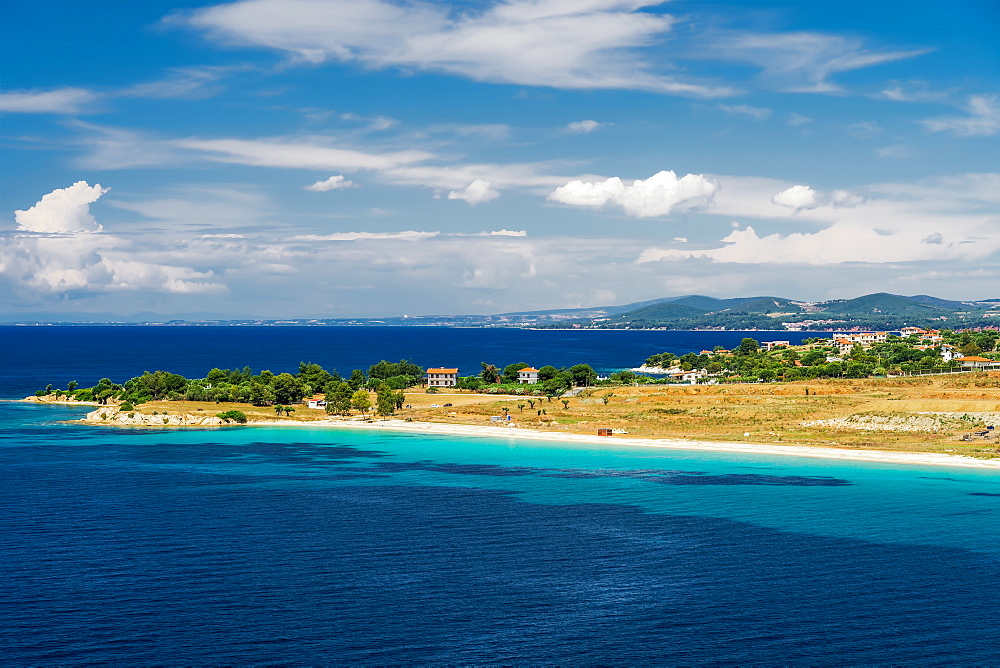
(914, 458)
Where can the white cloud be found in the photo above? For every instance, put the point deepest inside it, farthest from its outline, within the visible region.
(59, 101)
(582, 127)
(337, 182)
(63, 210)
(756, 113)
(840, 243)
(944, 220)
(477, 192)
(864, 129)
(912, 91)
(983, 119)
(798, 198)
(406, 235)
(801, 61)
(59, 248)
(584, 44)
(302, 154)
(894, 151)
(182, 82)
(658, 195)
(845, 198)
(508, 233)
(798, 119)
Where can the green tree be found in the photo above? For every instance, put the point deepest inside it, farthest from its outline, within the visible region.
(260, 394)
(357, 379)
(314, 375)
(547, 372)
(72, 385)
(216, 376)
(490, 375)
(607, 397)
(565, 403)
(385, 400)
(748, 346)
(361, 402)
(287, 389)
(583, 375)
(338, 398)
(471, 383)
(510, 371)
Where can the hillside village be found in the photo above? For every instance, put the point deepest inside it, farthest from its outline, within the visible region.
(913, 350)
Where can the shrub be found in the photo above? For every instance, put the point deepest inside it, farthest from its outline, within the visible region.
(236, 416)
(127, 406)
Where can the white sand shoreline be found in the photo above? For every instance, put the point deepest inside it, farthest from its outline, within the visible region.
(876, 456)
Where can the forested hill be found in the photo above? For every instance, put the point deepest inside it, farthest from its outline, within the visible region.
(879, 311)
(875, 311)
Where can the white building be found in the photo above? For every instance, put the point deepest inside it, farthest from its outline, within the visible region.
(527, 376)
(441, 377)
(978, 363)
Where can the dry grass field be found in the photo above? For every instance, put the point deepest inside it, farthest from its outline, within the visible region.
(925, 414)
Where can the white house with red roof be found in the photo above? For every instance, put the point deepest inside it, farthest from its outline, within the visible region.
(442, 377)
(978, 363)
(527, 376)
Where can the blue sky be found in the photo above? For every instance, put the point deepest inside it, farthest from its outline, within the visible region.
(337, 158)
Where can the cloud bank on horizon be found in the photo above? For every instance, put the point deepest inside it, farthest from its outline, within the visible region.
(285, 158)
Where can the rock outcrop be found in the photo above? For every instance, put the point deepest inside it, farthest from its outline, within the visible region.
(111, 415)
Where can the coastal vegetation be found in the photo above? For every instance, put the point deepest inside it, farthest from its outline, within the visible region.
(824, 358)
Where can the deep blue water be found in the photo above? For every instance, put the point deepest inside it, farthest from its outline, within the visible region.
(317, 546)
(86, 354)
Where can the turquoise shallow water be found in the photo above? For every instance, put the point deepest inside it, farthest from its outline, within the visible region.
(305, 545)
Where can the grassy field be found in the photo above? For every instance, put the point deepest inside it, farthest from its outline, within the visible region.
(766, 413)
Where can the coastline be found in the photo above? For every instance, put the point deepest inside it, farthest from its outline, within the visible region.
(874, 456)
(181, 420)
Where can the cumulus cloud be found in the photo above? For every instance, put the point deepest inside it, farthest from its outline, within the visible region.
(983, 119)
(63, 210)
(659, 195)
(756, 113)
(582, 127)
(59, 101)
(798, 198)
(804, 198)
(477, 192)
(60, 248)
(337, 182)
(588, 44)
(949, 219)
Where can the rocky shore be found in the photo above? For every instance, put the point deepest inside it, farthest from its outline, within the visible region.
(111, 415)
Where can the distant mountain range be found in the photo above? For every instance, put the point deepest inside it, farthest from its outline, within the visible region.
(875, 311)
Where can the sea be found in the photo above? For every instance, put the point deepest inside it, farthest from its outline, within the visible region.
(318, 546)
